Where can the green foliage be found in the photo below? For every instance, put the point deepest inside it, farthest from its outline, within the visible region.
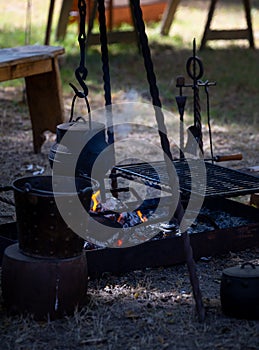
(231, 64)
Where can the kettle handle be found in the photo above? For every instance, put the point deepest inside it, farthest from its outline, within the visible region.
(80, 95)
(80, 118)
(247, 263)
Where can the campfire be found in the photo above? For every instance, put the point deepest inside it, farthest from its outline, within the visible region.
(125, 218)
(148, 224)
(117, 214)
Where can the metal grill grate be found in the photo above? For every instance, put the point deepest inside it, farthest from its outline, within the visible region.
(221, 181)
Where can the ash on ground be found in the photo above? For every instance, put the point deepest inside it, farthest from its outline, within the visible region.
(207, 220)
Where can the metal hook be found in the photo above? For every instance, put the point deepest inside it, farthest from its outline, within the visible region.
(81, 74)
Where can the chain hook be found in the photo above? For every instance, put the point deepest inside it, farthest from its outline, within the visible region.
(81, 72)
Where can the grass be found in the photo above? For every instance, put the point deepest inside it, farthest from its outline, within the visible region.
(230, 63)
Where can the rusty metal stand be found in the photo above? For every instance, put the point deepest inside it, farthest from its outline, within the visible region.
(234, 34)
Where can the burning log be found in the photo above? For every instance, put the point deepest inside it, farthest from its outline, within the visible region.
(108, 212)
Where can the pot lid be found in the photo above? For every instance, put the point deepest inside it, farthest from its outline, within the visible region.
(80, 126)
(246, 270)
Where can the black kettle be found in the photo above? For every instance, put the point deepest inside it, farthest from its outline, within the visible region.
(84, 142)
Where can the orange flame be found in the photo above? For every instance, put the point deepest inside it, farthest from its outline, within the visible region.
(141, 216)
(95, 200)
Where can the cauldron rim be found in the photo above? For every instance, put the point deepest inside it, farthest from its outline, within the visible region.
(19, 185)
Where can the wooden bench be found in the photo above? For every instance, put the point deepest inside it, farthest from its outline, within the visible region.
(117, 13)
(212, 34)
(228, 34)
(39, 66)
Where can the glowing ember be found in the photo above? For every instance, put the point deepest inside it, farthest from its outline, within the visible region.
(130, 219)
(119, 242)
(112, 205)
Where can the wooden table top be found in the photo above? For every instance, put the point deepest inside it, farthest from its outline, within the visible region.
(20, 54)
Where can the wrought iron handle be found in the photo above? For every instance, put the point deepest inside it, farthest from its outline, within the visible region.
(5, 188)
(247, 263)
(86, 190)
(229, 157)
(77, 93)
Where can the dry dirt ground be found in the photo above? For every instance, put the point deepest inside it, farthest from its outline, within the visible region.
(149, 309)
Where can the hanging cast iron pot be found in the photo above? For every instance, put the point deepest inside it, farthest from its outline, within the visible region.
(239, 291)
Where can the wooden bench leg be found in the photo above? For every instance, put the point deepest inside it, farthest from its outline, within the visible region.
(207, 26)
(247, 8)
(168, 16)
(45, 101)
(63, 19)
(212, 34)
